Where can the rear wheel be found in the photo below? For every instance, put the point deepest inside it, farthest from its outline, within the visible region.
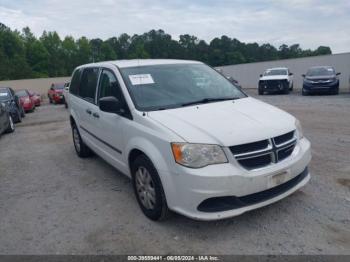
(148, 189)
(81, 148)
(11, 126)
(23, 113)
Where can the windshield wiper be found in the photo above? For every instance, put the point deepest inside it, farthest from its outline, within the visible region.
(209, 100)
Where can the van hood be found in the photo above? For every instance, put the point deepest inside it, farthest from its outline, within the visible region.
(226, 123)
(276, 77)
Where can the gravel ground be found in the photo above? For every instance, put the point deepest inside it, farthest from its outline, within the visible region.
(52, 202)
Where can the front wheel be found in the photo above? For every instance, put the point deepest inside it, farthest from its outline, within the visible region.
(303, 92)
(335, 92)
(291, 88)
(11, 126)
(261, 92)
(148, 189)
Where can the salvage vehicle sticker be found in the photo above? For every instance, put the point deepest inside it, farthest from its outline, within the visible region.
(142, 79)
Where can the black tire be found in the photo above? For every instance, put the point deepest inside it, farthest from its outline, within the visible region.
(81, 148)
(303, 92)
(160, 210)
(11, 126)
(292, 87)
(50, 100)
(261, 92)
(286, 91)
(335, 92)
(19, 117)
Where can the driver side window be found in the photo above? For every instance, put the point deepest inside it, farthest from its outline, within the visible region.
(109, 86)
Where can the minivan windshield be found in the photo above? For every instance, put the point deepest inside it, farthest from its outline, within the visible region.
(275, 72)
(320, 71)
(159, 87)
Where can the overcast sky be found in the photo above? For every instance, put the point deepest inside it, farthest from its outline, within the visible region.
(310, 23)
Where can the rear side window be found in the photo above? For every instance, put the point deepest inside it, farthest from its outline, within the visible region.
(88, 83)
(74, 86)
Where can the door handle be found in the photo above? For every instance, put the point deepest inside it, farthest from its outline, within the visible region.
(88, 111)
(96, 115)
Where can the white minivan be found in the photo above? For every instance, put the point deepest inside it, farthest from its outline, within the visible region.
(189, 139)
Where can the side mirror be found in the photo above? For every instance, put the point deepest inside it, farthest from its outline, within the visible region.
(110, 104)
(260, 75)
(338, 73)
(290, 74)
(303, 75)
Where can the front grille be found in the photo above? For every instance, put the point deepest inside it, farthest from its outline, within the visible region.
(264, 152)
(256, 162)
(274, 84)
(241, 149)
(284, 138)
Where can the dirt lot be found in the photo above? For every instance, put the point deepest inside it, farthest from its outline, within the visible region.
(52, 202)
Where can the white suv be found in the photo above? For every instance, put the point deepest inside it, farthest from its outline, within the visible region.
(278, 79)
(190, 141)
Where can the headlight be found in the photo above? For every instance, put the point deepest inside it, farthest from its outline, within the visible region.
(308, 81)
(299, 129)
(198, 155)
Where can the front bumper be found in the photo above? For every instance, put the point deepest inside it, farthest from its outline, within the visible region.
(319, 88)
(58, 98)
(28, 107)
(274, 85)
(191, 189)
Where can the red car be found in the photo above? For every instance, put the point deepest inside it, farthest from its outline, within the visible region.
(26, 100)
(36, 97)
(55, 93)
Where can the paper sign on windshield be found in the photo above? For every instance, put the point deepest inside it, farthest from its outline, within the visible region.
(142, 79)
(3, 94)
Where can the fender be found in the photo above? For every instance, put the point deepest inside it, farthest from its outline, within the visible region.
(149, 149)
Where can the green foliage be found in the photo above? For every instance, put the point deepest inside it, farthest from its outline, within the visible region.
(22, 55)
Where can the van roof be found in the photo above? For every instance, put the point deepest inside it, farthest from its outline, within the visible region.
(142, 62)
(277, 68)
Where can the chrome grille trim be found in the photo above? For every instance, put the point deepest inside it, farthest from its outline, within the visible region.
(273, 149)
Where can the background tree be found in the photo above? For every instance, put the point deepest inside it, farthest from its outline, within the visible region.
(22, 55)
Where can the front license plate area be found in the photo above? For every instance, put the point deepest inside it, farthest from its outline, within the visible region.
(278, 179)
